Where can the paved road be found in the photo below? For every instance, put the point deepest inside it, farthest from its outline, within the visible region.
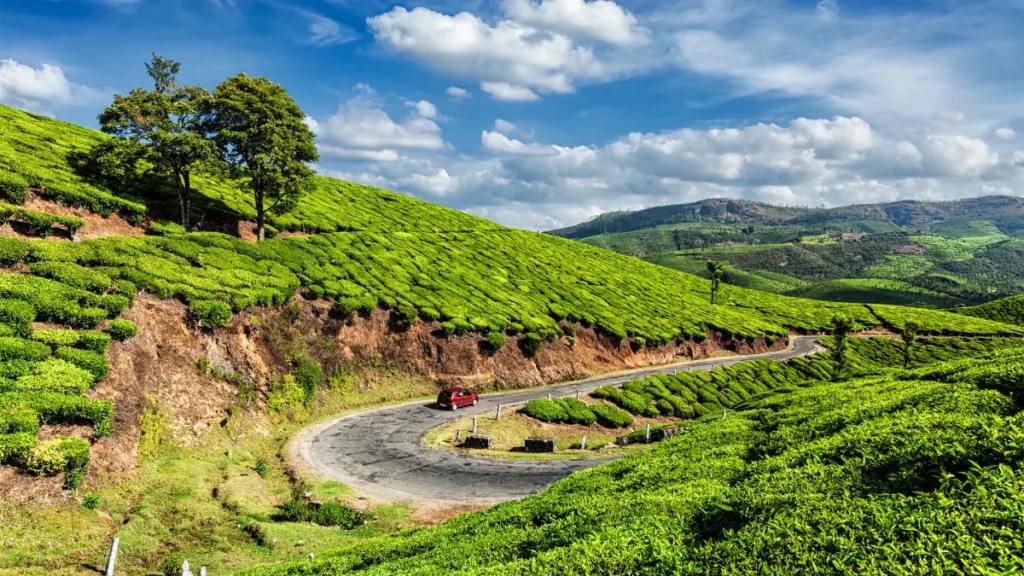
(380, 452)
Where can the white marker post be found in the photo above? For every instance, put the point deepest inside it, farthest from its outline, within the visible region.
(583, 444)
(474, 424)
(497, 414)
(458, 436)
(112, 559)
(647, 437)
(577, 393)
(549, 395)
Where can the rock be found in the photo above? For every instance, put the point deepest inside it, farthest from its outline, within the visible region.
(478, 442)
(541, 444)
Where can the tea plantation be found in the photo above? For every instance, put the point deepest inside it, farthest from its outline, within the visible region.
(374, 249)
(914, 472)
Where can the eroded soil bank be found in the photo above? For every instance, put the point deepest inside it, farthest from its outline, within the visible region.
(158, 368)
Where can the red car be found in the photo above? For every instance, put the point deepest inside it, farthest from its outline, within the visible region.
(455, 398)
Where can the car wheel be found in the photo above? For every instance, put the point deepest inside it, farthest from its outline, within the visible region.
(475, 400)
(454, 407)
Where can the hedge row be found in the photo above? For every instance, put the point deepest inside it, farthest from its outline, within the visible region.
(39, 222)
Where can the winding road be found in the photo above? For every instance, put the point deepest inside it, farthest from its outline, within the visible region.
(380, 452)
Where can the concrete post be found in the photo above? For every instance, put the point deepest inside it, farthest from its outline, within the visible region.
(185, 570)
(549, 395)
(112, 559)
(458, 436)
(474, 424)
(647, 437)
(202, 571)
(583, 444)
(577, 393)
(723, 412)
(497, 413)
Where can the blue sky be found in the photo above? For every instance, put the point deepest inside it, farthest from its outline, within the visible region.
(544, 113)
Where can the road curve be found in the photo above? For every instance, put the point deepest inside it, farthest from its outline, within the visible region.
(380, 452)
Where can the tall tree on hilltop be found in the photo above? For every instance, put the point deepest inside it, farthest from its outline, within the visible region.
(261, 134)
(168, 124)
(908, 335)
(715, 269)
(841, 327)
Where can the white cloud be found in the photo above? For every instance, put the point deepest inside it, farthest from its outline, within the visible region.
(836, 161)
(828, 9)
(40, 89)
(1005, 133)
(599, 19)
(424, 109)
(457, 93)
(508, 92)
(326, 32)
(499, 143)
(342, 153)
(512, 60)
(504, 126)
(361, 130)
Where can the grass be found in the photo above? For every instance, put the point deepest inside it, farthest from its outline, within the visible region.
(193, 502)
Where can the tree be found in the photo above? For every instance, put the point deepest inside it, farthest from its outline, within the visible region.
(908, 335)
(841, 327)
(167, 124)
(260, 132)
(715, 270)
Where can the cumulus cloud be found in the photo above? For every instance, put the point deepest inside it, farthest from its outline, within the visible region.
(424, 109)
(599, 19)
(361, 130)
(504, 126)
(499, 143)
(457, 93)
(512, 60)
(40, 89)
(1005, 133)
(508, 92)
(805, 162)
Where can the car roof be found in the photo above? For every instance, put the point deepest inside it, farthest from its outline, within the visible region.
(451, 390)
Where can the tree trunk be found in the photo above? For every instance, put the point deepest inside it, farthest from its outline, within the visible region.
(260, 234)
(185, 198)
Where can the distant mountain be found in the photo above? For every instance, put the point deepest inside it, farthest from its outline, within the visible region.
(1004, 211)
(936, 254)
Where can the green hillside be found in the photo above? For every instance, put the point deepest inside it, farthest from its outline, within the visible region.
(904, 473)
(1007, 310)
(937, 254)
(40, 151)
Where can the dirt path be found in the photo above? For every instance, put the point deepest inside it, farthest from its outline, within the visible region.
(379, 452)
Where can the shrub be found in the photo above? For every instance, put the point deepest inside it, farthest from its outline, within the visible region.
(19, 348)
(545, 410)
(532, 343)
(13, 188)
(211, 313)
(577, 411)
(496, 340)
(121, 329)
(337, 514)
(16, 446)
(638, 344)
(610, 416)
(91, 340)
(295, 511)
(18, 419)
(57, 455)
(55, 375)
(283, 393)
(308, 375)
(73, 275)
(12, 251)
(19, 315)
(262, 468)
(92, 501)
(87, 359)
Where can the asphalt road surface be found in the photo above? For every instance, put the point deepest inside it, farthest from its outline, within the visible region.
(380, 452)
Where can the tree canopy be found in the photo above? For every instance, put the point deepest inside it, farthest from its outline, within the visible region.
(261, 133)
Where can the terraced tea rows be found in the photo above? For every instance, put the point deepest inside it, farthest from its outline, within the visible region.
(884, 474)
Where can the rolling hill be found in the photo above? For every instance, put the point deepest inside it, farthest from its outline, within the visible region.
(932, 254)
(362, 253)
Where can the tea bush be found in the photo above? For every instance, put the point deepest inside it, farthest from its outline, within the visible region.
(121, 330)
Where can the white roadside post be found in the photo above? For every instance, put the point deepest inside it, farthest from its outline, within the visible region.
(647, 437)
(577, 393)
(185, 569)
(583, 444)
(474, 424)
(458, 436)
(549, 395)
(497, 413)
(112, 559)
